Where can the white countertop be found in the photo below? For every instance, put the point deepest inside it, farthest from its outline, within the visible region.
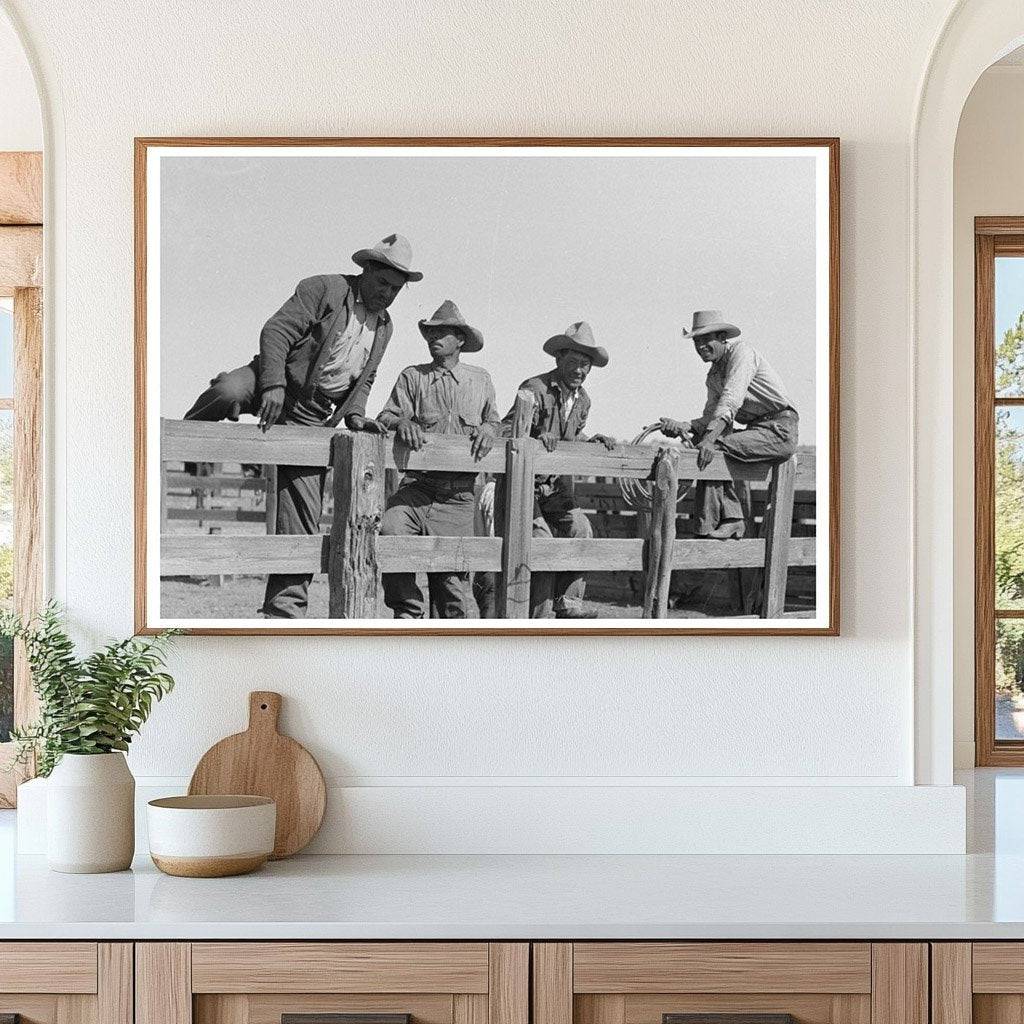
(978, 896)
(532, 897)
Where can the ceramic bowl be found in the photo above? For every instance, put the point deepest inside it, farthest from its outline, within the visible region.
(211, 836)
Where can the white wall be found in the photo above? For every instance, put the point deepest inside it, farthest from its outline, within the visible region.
(21, 125)
(988, 181)
(390, 714)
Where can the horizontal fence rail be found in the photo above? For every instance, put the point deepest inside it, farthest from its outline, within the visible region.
(209, 555)
(198, 441)
(354, 554)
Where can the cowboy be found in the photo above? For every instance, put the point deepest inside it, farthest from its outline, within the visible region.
(742, 389)
(444, 396)
(560, 410)
(318, 357)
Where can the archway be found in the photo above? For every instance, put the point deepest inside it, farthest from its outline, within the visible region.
(976, 33)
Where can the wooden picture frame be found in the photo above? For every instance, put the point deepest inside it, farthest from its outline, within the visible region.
(364, 465)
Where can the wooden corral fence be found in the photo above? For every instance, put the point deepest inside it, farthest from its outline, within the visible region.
(354, 554)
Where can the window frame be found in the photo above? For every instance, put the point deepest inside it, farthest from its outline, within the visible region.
(21, 260)
(993, 237)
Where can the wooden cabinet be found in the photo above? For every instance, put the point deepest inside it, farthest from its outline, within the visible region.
(260, 982)
(494, 983)
(815, 982)
(66, 982)
(980, 982)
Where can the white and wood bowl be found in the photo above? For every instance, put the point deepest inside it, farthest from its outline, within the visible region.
(211, 836)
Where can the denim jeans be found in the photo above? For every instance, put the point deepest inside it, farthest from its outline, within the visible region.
(433, 505)
(300, 489)
(773, 440)
(558, 591)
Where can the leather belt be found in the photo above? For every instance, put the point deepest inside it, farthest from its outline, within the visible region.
(783, 414)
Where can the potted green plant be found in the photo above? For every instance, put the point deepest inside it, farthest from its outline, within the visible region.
(89, 710)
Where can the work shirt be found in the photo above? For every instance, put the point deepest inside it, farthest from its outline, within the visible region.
(350, 349)
(451, 400)
(455, 400)
(742, 386)
(562, 413)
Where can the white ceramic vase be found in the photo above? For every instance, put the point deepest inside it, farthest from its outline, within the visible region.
(90, 814)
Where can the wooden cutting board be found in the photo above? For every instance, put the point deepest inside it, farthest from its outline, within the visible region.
(262, 762)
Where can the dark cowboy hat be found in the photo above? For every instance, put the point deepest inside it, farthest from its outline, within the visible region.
(448, 315)
(577, 337)
(708, 321)
(393, 251)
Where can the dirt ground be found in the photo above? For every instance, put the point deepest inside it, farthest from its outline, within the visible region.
(239, 597)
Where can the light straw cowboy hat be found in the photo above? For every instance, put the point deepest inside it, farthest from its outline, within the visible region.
(448, 315)
(577, 337)
(393, 251)
(708, 321)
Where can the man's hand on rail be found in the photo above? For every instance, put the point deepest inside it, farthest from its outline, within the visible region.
(549, 440)
(608, 442)
(483, 441)
(271, 404)
(410, 434)
(366, 423)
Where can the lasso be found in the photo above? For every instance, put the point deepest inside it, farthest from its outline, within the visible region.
(637, 493)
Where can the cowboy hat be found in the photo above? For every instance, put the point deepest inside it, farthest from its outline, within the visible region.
(577, 337)
(707, 321)
(448, 315)
(393, 251)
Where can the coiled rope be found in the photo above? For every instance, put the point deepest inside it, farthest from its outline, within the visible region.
(637, 493)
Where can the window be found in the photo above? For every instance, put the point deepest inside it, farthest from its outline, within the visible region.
(21, 376)
(6, 509)
(999, 491)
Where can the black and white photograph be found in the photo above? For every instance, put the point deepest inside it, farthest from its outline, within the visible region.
(534, 386)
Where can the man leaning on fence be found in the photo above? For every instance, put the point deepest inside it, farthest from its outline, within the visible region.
(744, 389)
(444, 396)
(317, 362)
(560, 410)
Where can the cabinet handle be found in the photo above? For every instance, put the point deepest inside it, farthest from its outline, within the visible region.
(728, 1018)
(337, 1018)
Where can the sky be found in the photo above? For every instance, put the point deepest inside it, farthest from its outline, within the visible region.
(524, 244)
(6, 350)
(1009, 293)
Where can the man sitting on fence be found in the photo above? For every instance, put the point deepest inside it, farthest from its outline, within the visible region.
(742, 388)
(318, 357)
(444, 396)
(560, 410)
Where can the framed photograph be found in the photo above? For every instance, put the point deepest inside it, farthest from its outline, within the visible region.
(487, 386)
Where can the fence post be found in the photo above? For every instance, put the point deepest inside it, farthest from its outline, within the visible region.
(778, 525)
(270, 496)
(353, 571)
(661, 535)
(516, 514)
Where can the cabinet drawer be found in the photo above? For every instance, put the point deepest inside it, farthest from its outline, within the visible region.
(262, 982)
(747, 982)
(66, 982)
(981, 982)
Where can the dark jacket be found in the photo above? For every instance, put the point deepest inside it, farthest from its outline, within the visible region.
(554, 493)
(295, 341)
